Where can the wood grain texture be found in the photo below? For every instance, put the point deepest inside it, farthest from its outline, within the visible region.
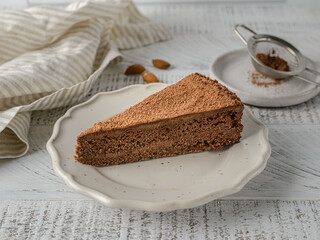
(221, 219)
(201, 18)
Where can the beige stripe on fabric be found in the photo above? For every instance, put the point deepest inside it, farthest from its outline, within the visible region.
(51, 57)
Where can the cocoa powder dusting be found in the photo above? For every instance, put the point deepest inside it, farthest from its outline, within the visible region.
(274, 62)
(260, 79)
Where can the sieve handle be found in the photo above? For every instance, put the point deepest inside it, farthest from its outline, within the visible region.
(313, 71)
(239, 34)
(307, 80)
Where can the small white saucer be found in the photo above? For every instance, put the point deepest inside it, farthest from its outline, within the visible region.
(234, 70)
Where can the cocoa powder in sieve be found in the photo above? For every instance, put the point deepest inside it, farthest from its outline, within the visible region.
(274, 62)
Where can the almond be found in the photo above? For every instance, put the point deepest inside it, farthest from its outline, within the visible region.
(160, 63)
(149, 77)
(134, 69)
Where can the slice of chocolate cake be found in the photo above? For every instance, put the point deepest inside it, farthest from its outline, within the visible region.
(193, 115)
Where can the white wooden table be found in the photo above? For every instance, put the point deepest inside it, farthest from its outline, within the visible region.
(281, 203)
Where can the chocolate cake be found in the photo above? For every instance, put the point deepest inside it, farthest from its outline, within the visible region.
(193, 115)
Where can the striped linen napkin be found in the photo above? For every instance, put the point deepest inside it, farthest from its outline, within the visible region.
(51, 57)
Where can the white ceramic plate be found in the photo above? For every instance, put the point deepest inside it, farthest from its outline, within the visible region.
(233, 69)
(163, 184)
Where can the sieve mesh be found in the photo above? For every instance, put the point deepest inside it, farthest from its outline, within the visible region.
(276, 49)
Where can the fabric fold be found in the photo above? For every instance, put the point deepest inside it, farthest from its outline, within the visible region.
(14, 137)
(50, 58)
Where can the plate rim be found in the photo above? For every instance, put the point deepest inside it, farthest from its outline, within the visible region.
(140, 204)
(312, 92)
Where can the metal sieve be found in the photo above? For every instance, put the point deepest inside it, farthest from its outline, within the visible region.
(274, 46)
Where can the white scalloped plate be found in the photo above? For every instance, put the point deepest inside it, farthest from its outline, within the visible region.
(233, 70)
(163, 184)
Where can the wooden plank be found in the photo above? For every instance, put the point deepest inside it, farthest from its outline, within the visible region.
(203, 18)
(293, 170)
(203, 50)
(304, 113)
(222, 219)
